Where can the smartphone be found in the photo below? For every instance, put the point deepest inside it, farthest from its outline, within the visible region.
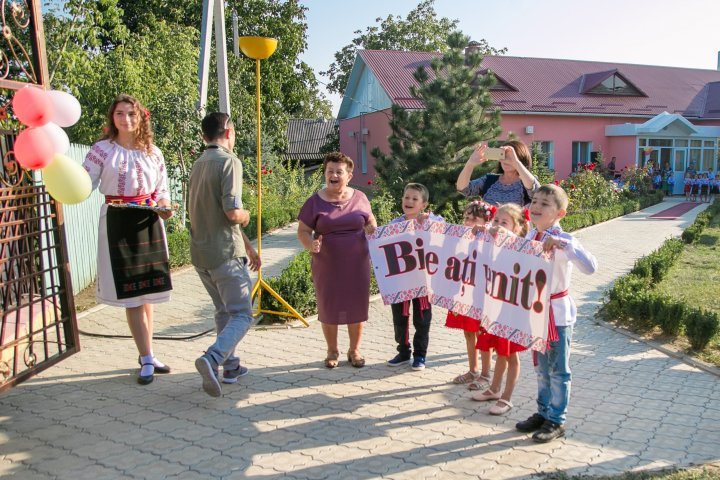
(495, 154)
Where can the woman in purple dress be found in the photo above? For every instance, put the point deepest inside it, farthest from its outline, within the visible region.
(332, 227)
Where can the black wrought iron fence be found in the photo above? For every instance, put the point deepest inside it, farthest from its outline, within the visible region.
(38, 326)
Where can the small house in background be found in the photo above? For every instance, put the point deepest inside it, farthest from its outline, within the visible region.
(305, 138)
(570, 109)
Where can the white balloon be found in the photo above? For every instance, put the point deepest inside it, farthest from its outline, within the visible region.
(67, 108)
(58, 137)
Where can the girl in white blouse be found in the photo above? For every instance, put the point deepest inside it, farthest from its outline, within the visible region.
(133, 270)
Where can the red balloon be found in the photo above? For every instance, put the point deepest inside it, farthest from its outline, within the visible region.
(32, 106)
(33, 148)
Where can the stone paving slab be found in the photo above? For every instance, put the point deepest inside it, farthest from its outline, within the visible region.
(632, 406)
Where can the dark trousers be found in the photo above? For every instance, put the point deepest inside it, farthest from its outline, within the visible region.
(421, 321)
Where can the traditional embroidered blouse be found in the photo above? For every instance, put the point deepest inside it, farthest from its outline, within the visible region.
(128, 173)
(570, 253)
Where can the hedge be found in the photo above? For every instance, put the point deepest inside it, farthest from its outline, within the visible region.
(633, 299)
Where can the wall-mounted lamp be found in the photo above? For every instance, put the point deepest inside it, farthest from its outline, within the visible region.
(529, 130)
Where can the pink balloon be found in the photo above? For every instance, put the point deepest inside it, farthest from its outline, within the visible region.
(32, 106)
(67, 108)
(58, 137)
(33, 148)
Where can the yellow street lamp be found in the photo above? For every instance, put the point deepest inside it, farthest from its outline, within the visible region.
(261, 48)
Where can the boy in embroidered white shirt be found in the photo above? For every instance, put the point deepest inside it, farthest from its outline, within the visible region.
(548, 206)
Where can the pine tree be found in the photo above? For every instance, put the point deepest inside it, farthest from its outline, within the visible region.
(430, 145)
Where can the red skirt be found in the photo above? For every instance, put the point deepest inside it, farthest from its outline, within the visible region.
(502, 346)
(456, 320)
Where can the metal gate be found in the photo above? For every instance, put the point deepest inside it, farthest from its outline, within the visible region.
(39, 327)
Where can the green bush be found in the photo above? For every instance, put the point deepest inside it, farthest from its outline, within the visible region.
(295, 286)
(589, 190)
(284, 190)
(656, 265)
(179, 247)
(587, 218)
(671, 316)
(385, 207)
(623, 291)
(700, 327)
(693, 232)
(640, 310)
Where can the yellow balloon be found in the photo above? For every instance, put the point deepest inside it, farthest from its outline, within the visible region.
(66, 181)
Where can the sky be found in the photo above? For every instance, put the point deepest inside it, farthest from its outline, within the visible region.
(678, 33)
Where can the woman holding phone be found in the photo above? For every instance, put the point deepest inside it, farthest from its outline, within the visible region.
(513, 182)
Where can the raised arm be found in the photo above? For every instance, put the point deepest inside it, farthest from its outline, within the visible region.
(476, 158)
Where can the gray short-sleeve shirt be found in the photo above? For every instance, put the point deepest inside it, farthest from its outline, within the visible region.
(215, 187)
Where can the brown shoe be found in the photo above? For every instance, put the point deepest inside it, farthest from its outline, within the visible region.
(355, 359)
(331, 361)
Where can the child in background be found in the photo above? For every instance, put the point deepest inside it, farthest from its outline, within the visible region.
(694, 187)
(657, 181)
(475, 215)
(511, 218)
(548, 206)
(670, 183)
(414, 202)
(687, 186)
(704, 187)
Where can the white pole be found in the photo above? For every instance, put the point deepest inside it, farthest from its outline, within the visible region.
(204, 62)
(222, 68)
(236, 41)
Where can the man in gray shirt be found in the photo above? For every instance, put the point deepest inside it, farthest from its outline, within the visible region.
(220, 250)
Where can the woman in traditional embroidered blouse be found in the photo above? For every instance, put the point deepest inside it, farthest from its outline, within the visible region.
(514, 183)
(133, 270)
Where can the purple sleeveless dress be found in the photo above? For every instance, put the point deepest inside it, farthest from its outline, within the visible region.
(341, 271)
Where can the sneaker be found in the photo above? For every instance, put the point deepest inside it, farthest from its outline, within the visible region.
(531, 424)
(231, 376)
(549, 432)
(209, 374)
(398, 360)
(418, 363)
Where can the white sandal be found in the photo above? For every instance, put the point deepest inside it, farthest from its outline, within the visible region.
(501, 410)
(485, 396)
(479, 383)
(466, 377)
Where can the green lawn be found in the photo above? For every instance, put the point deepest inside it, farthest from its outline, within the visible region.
(695, 278)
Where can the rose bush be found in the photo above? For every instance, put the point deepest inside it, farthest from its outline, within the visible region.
(588, 189)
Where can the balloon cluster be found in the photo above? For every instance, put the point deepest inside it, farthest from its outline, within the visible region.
(42, 146)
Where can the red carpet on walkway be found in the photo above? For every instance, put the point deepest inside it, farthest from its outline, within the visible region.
(674, 212)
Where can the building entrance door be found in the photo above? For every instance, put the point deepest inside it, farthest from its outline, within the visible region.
(679, 166)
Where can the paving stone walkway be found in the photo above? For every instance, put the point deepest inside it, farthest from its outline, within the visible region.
(632, 407)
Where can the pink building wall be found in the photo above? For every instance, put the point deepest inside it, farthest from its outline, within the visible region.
(561, 130)
(378, 129)
(564, 130)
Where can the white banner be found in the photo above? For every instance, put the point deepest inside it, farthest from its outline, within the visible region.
(502, 281)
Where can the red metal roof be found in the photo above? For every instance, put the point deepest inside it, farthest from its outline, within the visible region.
(553, 85)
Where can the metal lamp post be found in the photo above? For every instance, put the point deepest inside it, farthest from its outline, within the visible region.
(261, 48)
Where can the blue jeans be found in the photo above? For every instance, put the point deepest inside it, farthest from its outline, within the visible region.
(229, 288)
(554, 377)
